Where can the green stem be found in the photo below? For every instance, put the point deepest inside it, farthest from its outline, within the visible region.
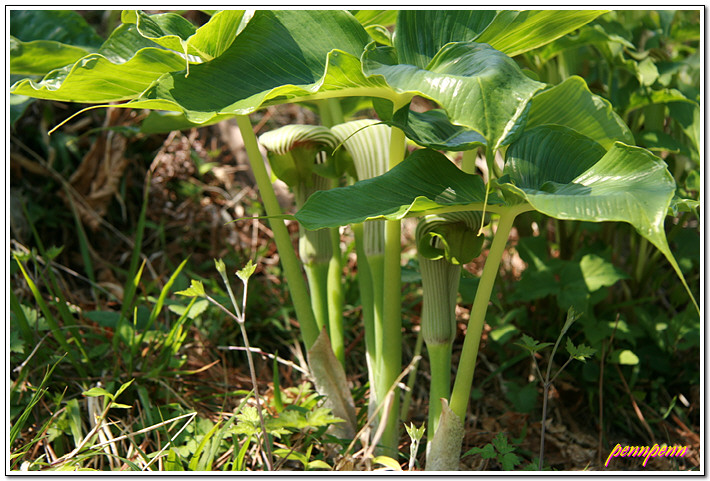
(440, 362)
(367, 301)
(411, 378)
(641, 257)
(336, 112)
(391, 360)
(377, 276)
(331, 113)
(289, 260)
(317, 275)
(334, 288)
(467, 362)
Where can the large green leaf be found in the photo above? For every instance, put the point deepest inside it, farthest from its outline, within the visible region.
(422, 33)
(95, 79)
(279, 54)
(572, 105)
(136, 55)
(63, 26)
(626, 184)
(550, 154)
(174, 32)
(478, 86)
(43, 40)
(514, 32)
(41, 56)
(424, 182)
(588, 35)
(561, 175)
(434, 130)
(385, 18)
(169, 30)
(291, 55)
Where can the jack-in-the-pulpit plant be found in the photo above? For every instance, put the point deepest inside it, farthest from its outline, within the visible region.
(565, 153)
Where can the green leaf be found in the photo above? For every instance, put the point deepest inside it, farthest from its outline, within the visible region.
(177, 33)
(572, 105)
(318, 464)
(385, 18)
(566, 176)
(486, 452)
(434, 130)
(424, 181)
(18, 105)
(95, 79)
(291, 454)
(41, 56)
(588, 35)
(550, 154)
(279, 53)
(247, 421)
(246, 272)
(123, 387)
(663, 96)
(169, 30)
(196, 289)
(197, 309)
(97, 391)
(581, 352)
(42, 40)
(687, 115)
(163, 122)
(387, 462)
(220, 266)
(478, 86)
(561, 174)
(647, 72)
(500, 441)
(624, 356)
(509, 461)
(514, 32)
(422, 33)
(415, 433)
(661, 142)
(63, 26)
(599, 272)
(531, 345)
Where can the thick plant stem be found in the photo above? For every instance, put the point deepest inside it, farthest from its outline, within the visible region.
(367, 300)
(440, 362)
(391, 360)
(317, 275)
(335, 298)
(289, 260)
(331, 113)
(467, 362)
(377, 276)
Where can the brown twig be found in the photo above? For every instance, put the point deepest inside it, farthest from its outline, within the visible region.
(635, 405)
